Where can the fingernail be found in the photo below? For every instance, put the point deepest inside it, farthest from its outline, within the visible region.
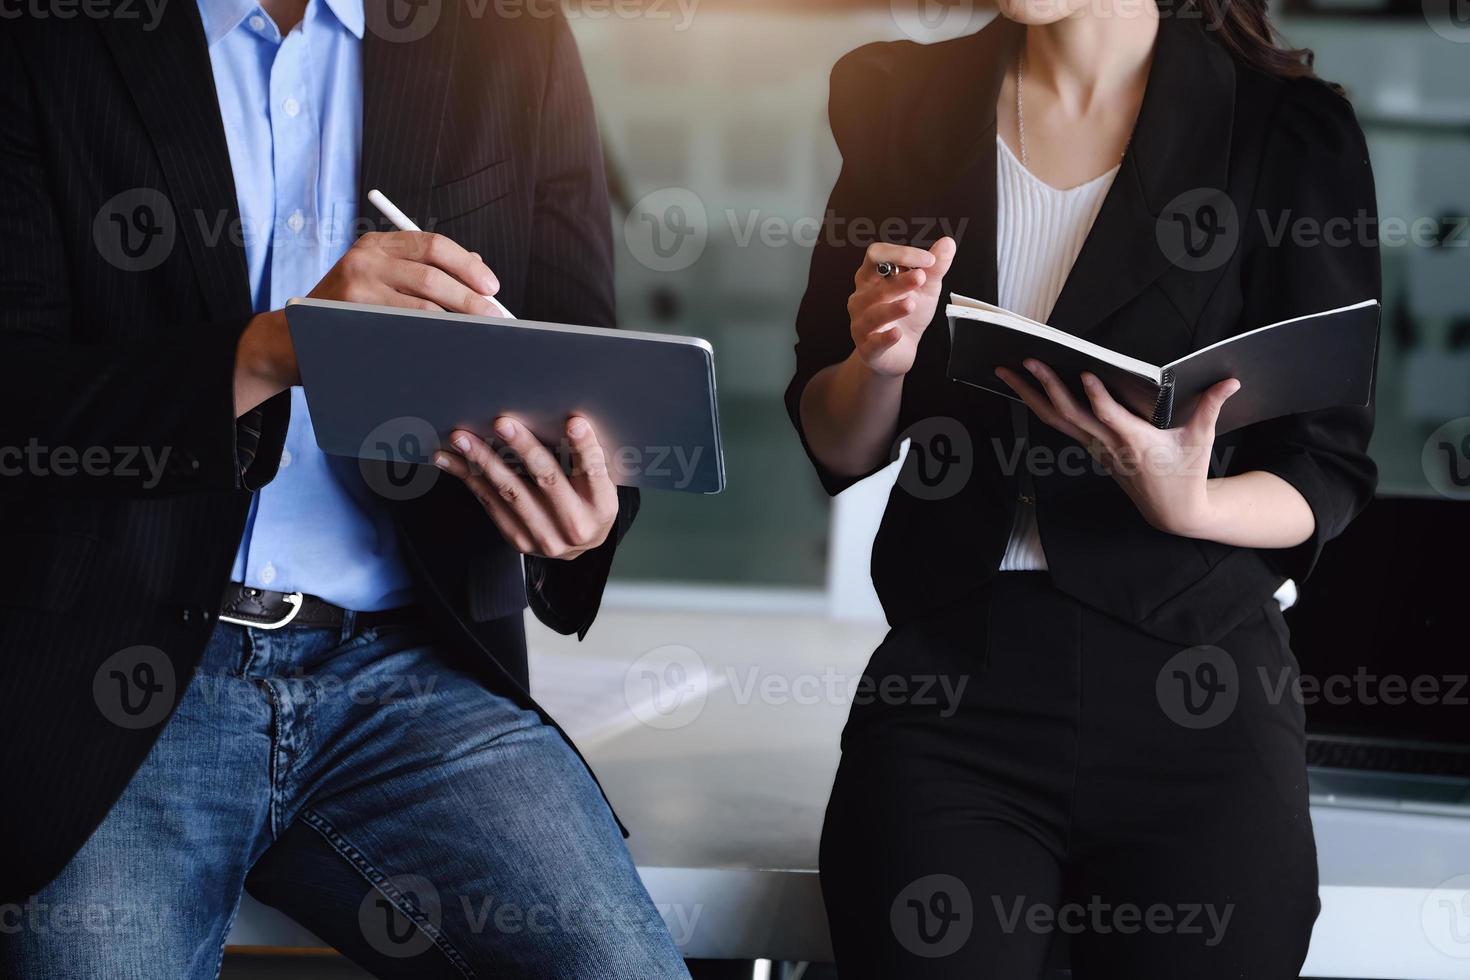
(577, 427)
(462, 443)
(1031, 365)
(441, 461)
(505, 428)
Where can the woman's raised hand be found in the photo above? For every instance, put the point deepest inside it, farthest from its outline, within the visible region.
(889, 315)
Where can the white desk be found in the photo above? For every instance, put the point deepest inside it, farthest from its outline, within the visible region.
(725, 807)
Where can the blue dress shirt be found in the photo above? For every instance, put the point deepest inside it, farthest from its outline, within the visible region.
(292, 110)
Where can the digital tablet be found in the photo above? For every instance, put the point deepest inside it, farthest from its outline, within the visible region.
(385, 383)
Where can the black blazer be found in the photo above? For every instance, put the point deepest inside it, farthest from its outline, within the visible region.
(916, 126)
(482, 129)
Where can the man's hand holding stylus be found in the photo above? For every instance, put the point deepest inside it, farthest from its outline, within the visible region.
(416, 270)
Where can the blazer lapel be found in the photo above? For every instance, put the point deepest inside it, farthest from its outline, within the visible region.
(167, 70)
(1179, 156)
(406, 74)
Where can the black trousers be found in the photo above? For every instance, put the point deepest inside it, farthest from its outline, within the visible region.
(1019, 770)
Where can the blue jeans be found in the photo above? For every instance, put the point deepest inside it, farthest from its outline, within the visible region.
(387, 801)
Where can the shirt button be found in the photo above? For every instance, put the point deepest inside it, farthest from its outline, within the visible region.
(296, 222)
(292, 107)
(268, 573)
(257, 23)
(285, 458)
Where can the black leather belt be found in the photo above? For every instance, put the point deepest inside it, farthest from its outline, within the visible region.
(266, 610)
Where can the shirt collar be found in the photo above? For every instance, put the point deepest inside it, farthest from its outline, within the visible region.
(350, 13)
(220, 17)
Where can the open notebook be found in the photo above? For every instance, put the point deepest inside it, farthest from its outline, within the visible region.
(1322, 360)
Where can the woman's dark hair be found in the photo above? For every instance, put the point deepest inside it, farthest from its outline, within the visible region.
(1246, 31)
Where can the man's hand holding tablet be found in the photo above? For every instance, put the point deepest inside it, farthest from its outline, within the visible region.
(546, 512)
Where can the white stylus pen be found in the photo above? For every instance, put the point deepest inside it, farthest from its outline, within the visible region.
(403, 222)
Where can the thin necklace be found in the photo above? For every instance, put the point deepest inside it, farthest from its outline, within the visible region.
(1021, 111)
(1020, 105)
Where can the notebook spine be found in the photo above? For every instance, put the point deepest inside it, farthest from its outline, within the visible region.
(1164, 404)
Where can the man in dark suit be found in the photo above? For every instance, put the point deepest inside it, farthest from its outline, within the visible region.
(347, 732)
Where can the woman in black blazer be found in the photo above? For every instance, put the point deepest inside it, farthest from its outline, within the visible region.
(1124, 761)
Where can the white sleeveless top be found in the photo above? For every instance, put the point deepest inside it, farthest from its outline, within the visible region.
(1039, 231)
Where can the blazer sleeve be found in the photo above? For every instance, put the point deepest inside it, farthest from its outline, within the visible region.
(823, 331)
(570, 280)
(68, 406)
(1314, 247)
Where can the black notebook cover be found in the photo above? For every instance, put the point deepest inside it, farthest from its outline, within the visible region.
(1324, 360)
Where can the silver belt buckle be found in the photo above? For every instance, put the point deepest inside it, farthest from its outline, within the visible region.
(293, 600)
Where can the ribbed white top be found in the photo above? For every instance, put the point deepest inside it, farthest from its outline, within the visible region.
(1039, 231)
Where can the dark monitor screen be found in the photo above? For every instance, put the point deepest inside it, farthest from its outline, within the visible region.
(1382, 629)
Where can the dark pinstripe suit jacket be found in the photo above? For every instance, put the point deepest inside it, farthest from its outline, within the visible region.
(123, 292)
